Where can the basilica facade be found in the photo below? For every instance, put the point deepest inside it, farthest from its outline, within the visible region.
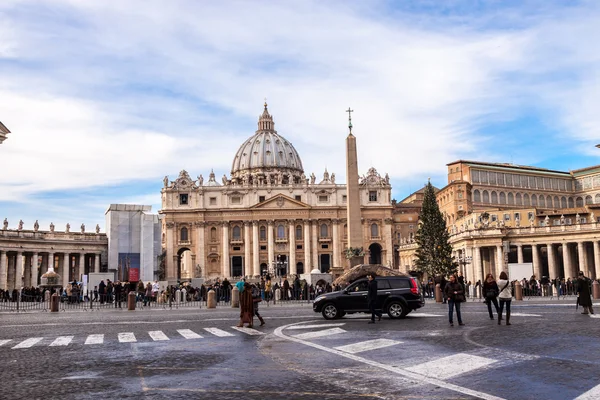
(269, 216)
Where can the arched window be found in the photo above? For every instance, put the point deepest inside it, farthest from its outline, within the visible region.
(502, 198)
(518, 200)
(579, 202)
(476, 196)
(374, 230)
(534, 200)
(213, 234)
(571, 202)
(597, 199)
(486, 196)
(280, 232)
(183, 234)
(549, 201)
(494, 198)
(588, 200)
(236, 233)
(324, 231)
(511, 199)
(526, 199)
(263, 233)
(542, 201)
(298, 232)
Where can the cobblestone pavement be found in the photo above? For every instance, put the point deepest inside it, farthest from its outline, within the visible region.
(551, 352)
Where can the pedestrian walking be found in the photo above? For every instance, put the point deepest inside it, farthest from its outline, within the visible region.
(148, 294)
(246, 307)
(257, 298)
(505, 288)
(583, 291)
(455, 295)
(490, 288)
(372, 298)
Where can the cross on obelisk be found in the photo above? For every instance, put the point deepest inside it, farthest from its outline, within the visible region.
(353, 215)
(349, 111)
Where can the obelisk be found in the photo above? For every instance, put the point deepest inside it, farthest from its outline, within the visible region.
(355, 237)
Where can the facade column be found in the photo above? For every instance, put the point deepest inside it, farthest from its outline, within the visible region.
(255, 249)
(336, 263)
(171, 265)
(315, 244)
(248, 267)
(271, 246)
(66, 267)
(82, 267)
(19, 271)
(567, 260)
(201, 248)
(225, 268)
(97, 262)
(552, 264)
(307, 266)
(520, 253)
(292, 242)
(597, 258)
(499, 260)
(582, 257)
(3, 269)
(477, 266)
(389, 247)
(537, 264)
(34, 269)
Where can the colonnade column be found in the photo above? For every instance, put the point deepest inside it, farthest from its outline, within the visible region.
(66, 266)
(171, 265)
(307, 266)
(248, 267)
(581, 253)
(96, 262)
(597, 258)
(520, 253)
(336, 240)
(225, 270)
(537, 270)
(271, 244)
(389, 247)
(82, 267)
(19, 271)
(292, 243)
(255, 249)
(315, 243)
(200, 247)
(477, 266)
(499, 260)
(3, 269)
(566, 260)
(34, 269)
(552, 265)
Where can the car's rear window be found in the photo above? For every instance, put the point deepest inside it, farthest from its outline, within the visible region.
(399, 283)
(383, 284)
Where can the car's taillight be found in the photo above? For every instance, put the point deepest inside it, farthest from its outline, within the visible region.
(414, 288)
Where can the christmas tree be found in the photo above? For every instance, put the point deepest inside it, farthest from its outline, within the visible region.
(434, 253)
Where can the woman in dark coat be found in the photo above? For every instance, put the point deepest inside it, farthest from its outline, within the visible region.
(246, 306)
(490, 291)
(455, 295)
(583, 290)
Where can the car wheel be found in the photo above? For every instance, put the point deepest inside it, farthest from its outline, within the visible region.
(397, 310)
(330, 311)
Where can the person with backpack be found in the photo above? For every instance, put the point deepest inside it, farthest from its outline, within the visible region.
(505, 289)
(490, 289)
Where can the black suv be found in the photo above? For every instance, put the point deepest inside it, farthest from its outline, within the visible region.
(396, 296)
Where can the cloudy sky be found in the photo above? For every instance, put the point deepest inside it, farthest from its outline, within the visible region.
(105, 98)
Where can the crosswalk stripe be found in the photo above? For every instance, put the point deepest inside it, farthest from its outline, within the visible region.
(525, 315)
(315, 326)
(62, 341)
(592, 394)
(248, 331)
(94, 339)
(313, 335)
(218, 332)
(28, 343)
(367, 345)
(594, 315)
(414, 314)
(158, 335)
(127, 337)
(3, 342)
(189, 334)
(454, 365)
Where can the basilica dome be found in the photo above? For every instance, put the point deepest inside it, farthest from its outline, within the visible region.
(267, 155)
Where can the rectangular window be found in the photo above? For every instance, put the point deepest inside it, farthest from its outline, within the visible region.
(236, 248)
(410, 226)
(298, 247)
(324, 246)
(494, 218)
(212, 201)
(298, 197)
(236, 200)
(261, 199)
(263, 247)
(568, 221)
(399, 283)
(529, 216)
(323, 198)
(344, 198)
(183, 199)
(373, 195)
(507, 217)
(556, 222)
(583, 220)
(517, 216)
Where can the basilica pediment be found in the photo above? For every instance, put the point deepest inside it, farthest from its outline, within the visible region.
(278, 202)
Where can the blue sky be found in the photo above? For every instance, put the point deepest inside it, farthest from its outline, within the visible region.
(104, 98)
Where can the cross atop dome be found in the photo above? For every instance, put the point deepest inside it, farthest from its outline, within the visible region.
(265, 121)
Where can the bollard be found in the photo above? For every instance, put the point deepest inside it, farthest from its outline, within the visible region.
(438, 294)
(277, 294)
(235, 297)
(518, 291)
(177, 296)
(54, 303)
(211, 301)
(131, 301)
(47, 297)
(596, 290)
